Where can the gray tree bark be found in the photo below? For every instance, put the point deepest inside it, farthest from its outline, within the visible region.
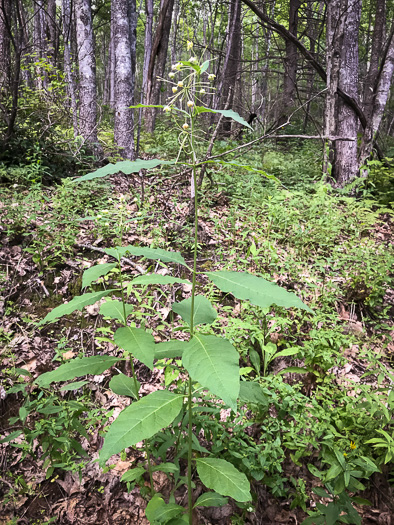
(147, 46)
(52, 32)
(228, 77)
(380, 97)
(87, 73)
(290, 78)
(265, 69)
(70, 79)
(376, 54)
(40, 43)
(5, 46)
(157, 62)
(124, 19)
(346, 162)
(334, 37)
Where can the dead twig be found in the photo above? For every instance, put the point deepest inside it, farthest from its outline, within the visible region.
(137, 267)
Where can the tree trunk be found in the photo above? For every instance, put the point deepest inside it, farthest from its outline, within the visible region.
(228, 77)
(334, 38)
(175, 20)
(380, 97)
(13, 20)
(346, 164)
(87, 73)
(5, 49)
(376, 53)
(290, 79)
(52, 32)
(265, 69)
(147, 47)
(123, 12)
(66, 22)
(40, 44)
(157, 62)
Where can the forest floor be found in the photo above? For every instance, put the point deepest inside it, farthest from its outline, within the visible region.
(334, 252)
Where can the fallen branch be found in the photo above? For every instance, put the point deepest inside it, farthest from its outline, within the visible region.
(101, 250)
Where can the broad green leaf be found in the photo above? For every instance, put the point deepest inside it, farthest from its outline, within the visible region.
(204, 312)
(52, 409)
(321, 492)
(252, 393)
(194, 66)
(166, 512)
(255, 359)
(314, 471)
(170, 349)
(126, 167)
(156, 502)
(330, 511)
(124, 386)
(23, 413)
(141, 420)
(169, 468)
(150, 253)
(77, 303)
(155, 278)
(287, 352)
(214, 363)
(333, 472)
(157, 511)
(94, 272)
(114, 309)
(133, 474)
(138, 342)
(257, 290)
(11, 436)
(269, 349)
(93, 365)
(340, 457)
(211, 499)
(204, 66)
(229, 113)
(74, 386)
(21, 372)
(222, 477)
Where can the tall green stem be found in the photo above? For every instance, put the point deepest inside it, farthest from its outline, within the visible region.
(190, 400)
(125, 323)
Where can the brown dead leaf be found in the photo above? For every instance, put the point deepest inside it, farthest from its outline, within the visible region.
(68, 355)
(94, 309)
(122, 466)
(30, 365)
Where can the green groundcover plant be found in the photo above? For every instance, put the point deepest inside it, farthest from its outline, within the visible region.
(209, 363)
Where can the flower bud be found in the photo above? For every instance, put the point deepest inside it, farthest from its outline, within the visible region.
(180, 84)
(185, 126)
(174, 89)
(167, 109)
(190, 103)
(189, 45)
(193, 60)
(171, 75)
(202, 91)
(211, 77)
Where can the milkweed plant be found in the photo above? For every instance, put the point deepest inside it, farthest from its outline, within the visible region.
(209, 363)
